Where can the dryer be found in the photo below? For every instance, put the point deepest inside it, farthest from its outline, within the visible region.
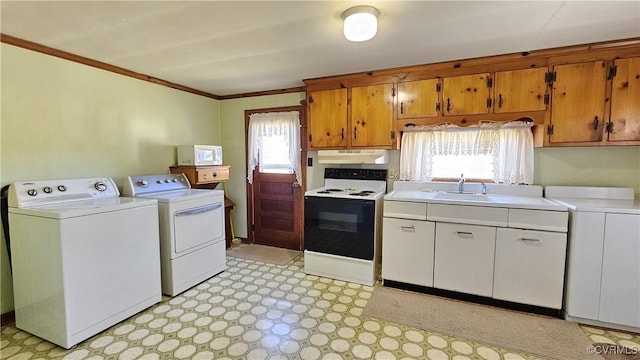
(83, 258)
(192, 237)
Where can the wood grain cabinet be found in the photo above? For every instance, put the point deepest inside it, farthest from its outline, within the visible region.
(327, 124)
(624, 122)
(372, 116)
(577, 102)
(466, 95)
(520, 90)
(370, 123)
(418, 99)
(203, 175)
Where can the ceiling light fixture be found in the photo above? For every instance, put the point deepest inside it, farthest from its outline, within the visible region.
(360, 23)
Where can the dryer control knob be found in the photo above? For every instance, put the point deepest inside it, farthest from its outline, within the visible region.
(143, 183)
(62, 188)
(47, 190)
(100, 186)
(32, 192)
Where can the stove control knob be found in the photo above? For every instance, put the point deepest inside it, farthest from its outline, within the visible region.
(167, 181)
(32, 192)
(47, 190)
(159, 181)
(174, 180)
(62, 188)
(143, 183)
(100, 186)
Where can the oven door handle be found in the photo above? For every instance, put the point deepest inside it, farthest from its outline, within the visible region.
(199, 210)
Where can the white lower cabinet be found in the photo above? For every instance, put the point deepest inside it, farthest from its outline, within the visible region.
(620, 287)
(407, 249)
(529, 267)
(464, 257)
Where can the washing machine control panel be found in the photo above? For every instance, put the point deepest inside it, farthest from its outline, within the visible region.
(42, 192)
(145, 184)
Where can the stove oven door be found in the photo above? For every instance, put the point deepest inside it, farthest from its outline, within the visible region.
(339, 226)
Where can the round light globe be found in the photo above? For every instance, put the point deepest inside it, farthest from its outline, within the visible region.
(360, 23)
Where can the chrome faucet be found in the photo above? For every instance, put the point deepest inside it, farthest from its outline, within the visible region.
(461, 184)
(484, 188)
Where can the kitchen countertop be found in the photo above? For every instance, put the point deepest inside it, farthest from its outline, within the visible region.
(489, 200)
(595, 199)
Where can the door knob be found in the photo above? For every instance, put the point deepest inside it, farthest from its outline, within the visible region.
(295, 184)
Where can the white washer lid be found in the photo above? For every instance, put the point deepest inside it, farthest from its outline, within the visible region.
(182, 195)
(83, 208)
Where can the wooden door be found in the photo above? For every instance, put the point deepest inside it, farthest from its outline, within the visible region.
(625, 101)
(372, 116)
(277, 210)
(327, 112)
(520, 90)
(417, 99)
(465, 95)
(577, 102)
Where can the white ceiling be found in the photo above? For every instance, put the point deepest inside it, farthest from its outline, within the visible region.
(234, 47)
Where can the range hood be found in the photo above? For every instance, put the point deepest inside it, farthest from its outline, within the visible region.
(364, 156)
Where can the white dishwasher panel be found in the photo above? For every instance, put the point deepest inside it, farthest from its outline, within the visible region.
(539, 219)
(620, 291)
(405, 210)
(407, 251)
(529, 267)
(464, 258)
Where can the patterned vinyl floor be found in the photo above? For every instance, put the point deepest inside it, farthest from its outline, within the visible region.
(263, 311)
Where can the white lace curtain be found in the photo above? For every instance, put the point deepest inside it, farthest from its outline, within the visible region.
(511, 145)
(285, 124)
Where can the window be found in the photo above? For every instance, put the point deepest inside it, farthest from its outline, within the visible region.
(274, 155)
(501, 152)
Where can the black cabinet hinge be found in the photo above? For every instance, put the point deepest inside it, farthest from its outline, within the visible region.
(546, 99)
(393, 135)
(437, 106)
(489, 82)
(613, 71)
(550, 129)
(310, 137)
(550, 77)
(609, 126)
(438, 87)
(393, 91)
(310, 99)
(489, 102)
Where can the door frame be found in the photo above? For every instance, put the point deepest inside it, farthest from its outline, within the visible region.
(303, 155)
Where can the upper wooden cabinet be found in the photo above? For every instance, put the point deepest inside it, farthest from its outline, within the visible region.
(520, 90)
(624, 123)
(418, 99)
(466, 95)
(327, 113)
(372, 116)
(578, 99)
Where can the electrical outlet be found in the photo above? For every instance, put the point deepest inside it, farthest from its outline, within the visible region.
(393, 174)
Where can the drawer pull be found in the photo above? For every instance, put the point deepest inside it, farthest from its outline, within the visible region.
(465, 233)
(408, 228)
(530, 240)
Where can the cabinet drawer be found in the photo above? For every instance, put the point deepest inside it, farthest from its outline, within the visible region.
(480, 215)
(407, 251)
(405, 210)
(539, 219)
(464, 258)
(529, 267)
(212, 174)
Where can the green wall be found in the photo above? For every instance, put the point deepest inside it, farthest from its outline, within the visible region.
(61, 119)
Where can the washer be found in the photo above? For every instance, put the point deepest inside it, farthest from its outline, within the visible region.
(83, 258)
(192, 238)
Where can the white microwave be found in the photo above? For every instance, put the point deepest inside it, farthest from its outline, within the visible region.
(199, 155)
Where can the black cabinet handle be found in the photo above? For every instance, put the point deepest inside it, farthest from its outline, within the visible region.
(448, 104)
(355, 132)
(401, 107)
(343, 133)
(500, 100)
(595, 123)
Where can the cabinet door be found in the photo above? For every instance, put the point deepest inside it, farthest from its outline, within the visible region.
(466, 95)
(620, 288)
(407, 251)
(372, 115)
(520, 90)
(327, 126)
(464, 256)
(625, 101)
(529, 267)
(577, 103)
(417, 99)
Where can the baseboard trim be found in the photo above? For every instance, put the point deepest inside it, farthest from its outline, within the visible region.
(8, 317)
